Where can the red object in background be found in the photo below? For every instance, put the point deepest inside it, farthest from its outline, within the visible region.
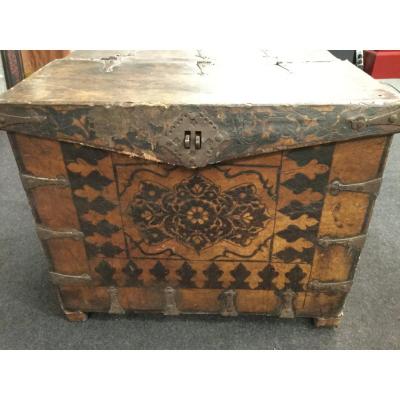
(382, 64)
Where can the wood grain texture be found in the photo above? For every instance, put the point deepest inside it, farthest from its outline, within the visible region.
(345, 215)
(198, 77)
(53, 205)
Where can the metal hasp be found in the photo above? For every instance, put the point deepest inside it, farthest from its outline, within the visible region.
(329, 287)
(197, 140)
(115, 306)
(31, 182)
(287, 308)
(353, 244)
(361, 122)
(45, 233)
(11, 120)
(227, 299)
(170, 301)
(187, 139)
(369, 187)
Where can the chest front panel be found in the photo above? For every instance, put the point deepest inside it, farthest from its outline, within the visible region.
(243, 235)
(247, 225)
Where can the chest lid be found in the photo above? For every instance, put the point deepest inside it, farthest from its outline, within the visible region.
(194, 108)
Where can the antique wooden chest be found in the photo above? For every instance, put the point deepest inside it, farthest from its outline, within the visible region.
(199, 182)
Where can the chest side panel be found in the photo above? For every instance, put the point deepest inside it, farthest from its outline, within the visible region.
(354, 182)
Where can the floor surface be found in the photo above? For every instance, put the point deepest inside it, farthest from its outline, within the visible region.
(30, 317)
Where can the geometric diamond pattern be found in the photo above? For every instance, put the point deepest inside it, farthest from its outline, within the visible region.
(95, 195)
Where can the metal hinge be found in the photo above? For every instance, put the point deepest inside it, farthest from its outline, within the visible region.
(228, 307)
(11, 120)
(354, 243)
(31, 182)
(115, 306)
(62, 279)
(46, 234)
(361, 122)
(287, 308)
(370, 187)
(170, 301)
(330, 287)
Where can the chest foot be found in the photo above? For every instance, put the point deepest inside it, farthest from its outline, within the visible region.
(75, 316)
(331, 322)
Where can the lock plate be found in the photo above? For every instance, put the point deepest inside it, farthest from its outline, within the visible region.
(193, 140)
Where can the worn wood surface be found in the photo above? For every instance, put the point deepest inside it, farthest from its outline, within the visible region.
(144, 103)
(254, 77)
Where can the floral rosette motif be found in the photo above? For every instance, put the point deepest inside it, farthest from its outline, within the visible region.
(196, 213)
